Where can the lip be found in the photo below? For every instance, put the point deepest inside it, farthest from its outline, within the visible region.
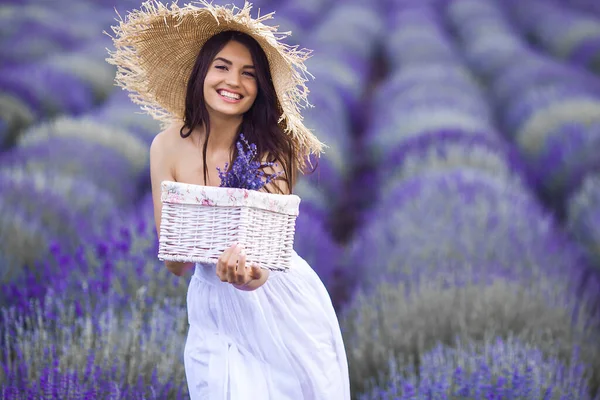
(227, 99)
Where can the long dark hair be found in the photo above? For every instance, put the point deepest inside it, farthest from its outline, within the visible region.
(259, 124)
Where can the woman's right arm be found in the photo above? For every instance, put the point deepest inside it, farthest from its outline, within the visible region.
(161, 169)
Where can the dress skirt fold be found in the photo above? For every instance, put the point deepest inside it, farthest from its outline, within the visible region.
(281, 341)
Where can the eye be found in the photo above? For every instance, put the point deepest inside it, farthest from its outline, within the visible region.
(221, 67)
(249, 74)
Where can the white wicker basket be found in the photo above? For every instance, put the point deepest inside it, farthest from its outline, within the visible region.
(199, 222)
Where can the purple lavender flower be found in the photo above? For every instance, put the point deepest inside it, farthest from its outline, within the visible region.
(497, 369)
(71, 363)
(406, 321)
(584, 217)
(120, 261)
(246, 172)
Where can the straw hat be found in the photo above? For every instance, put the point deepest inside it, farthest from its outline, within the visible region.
(157, 46)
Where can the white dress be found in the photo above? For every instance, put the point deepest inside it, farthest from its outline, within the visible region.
(281, 341)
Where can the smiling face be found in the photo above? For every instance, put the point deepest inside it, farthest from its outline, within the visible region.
(230, 86)
(231, 82)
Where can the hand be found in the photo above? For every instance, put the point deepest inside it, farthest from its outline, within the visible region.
(232, 268)
(178, 268)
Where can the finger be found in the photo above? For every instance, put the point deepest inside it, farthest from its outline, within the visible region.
(227, 253)
(222, 276)
(241, 275)
(256, 272)
(222, 258)
(232, 264)
(222, 263)
(221, 271)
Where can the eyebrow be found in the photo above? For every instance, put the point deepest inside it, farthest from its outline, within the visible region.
(226, 61)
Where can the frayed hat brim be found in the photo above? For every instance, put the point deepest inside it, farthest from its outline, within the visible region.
(156, 48)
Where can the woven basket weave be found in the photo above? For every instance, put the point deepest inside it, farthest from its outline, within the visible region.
(199, 222)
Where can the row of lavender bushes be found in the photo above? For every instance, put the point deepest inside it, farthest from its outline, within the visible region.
(68, 180)
(574, 36)
(588, 6)
(473, 268)
(549, 109)
(344, 43)
(566, 33)
(461, 269)
(48, 67)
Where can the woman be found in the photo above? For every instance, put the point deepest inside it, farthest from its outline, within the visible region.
(254, 333)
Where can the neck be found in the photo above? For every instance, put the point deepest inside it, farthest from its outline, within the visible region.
(223, 132)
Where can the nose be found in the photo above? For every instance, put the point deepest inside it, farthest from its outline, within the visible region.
(233, 79)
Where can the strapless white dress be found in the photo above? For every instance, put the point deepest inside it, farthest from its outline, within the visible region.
(279, 342)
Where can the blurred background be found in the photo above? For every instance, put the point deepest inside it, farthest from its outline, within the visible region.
(454, 218)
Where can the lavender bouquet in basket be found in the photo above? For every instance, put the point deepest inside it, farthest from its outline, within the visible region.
(199, 222)
(246, 172)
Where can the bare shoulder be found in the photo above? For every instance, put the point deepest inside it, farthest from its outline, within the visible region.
(163, 154)
(164, 143)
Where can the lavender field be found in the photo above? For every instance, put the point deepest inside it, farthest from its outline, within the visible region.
(454, 218)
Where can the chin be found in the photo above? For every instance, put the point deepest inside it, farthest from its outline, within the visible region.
(229, 113)
(232, 111)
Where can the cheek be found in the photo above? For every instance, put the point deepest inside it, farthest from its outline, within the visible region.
(252, 90)
(209, 82)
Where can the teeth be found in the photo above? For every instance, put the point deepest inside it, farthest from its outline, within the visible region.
(229, 95)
